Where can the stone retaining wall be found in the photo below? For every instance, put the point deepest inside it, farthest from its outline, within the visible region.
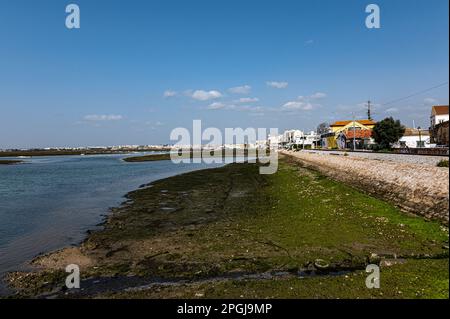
(419, 189)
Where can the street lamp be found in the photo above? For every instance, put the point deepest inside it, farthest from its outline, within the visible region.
(420, 137)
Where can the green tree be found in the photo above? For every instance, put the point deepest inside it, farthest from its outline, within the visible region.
(387, 132)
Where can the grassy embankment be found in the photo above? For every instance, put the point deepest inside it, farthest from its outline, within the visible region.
(230, 221)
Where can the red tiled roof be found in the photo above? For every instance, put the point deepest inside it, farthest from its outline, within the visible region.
(358, 134)
(440, 109)
(344, 123)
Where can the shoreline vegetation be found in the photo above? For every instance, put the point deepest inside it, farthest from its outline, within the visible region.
(10, 162)
(198, 154)
(230, 232)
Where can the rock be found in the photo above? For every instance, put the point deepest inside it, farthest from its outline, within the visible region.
(374, 258)
(321, 264)
(391, 262)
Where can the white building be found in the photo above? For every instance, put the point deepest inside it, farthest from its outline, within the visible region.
(414, 138)
(439, 114)
(293, 137)
(311, 139)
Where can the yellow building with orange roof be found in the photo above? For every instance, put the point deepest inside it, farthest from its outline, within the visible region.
(340, 126)
(342, 131)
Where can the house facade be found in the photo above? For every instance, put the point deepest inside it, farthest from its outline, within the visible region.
(439, 114)
(343, 133)
(414, 138)
(439, 129)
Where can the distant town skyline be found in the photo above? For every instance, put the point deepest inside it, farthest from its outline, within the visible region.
(136, 70)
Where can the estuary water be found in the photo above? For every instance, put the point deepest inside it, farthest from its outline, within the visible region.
(50, 202)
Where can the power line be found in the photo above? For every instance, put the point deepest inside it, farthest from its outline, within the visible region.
(415, 94)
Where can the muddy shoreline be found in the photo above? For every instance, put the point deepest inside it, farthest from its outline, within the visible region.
(231, 227)
(10, 162)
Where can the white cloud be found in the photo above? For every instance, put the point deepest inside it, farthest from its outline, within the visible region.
(244, 89)
(103, 117)
(303, 103)
(247, 100)
(206, 95)
(297, 105)
(170, 93)
(309, 42)
(277, 85)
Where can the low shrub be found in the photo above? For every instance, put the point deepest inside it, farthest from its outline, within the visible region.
(443, 163)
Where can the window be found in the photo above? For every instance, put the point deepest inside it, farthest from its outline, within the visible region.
(420, 143)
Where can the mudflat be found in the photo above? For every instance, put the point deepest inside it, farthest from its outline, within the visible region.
(10, 162)
(231, 232)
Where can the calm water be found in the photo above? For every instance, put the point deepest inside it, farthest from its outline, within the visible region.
(50, 202)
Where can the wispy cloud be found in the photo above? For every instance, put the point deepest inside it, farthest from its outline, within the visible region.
(277, 85)
(202, 95)
(247, 100)
(102, 117)
(234, 107)
(169, 93)
(392, 110)
(244, 89)
(309, 42)
(154, 125)
(430, 101)
(216, 106)
(318, 96)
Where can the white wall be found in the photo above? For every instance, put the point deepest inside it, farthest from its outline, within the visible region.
(411, 141)
(436, 119)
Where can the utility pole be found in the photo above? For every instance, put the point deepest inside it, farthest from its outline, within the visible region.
(368, 110)
(354, 133)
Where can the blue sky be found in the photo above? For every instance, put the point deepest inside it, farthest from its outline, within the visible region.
(137, 69)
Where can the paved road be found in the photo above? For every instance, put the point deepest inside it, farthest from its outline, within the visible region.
(414, 159)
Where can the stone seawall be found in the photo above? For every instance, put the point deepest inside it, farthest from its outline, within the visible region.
(418, 189)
